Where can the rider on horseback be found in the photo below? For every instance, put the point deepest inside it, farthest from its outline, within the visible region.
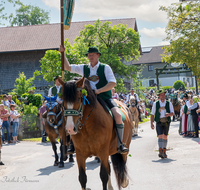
(102, 80)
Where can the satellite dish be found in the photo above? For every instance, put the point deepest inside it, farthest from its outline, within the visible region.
(174, 64)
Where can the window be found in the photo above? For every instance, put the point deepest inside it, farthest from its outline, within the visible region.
(150, 67)
(151, 82)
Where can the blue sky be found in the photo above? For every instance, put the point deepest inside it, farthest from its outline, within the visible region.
(150, 21)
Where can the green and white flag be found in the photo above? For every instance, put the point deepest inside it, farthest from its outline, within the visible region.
(68, 8)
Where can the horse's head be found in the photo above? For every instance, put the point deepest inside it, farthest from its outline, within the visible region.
(77, 95)
(73, 106)
(53, 109)
(132, 101)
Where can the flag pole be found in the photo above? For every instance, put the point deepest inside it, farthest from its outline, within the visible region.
(62, 36)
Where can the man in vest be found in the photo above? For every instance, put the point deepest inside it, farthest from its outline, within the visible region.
(102, 80)
(161, 113)
(53, 91)
(57, 89)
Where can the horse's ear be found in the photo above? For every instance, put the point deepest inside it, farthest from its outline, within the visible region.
(61, 81)
(46, 98)
(80, 83)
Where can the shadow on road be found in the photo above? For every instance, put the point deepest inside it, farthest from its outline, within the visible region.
(51, 169)
(167, 160)
(92, 165)
(136, 137)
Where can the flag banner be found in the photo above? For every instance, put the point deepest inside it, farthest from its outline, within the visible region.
(68, 8)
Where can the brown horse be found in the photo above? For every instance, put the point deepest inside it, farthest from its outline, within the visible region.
(93, 133)
(176, 104)
(134, 113)
(55, 127)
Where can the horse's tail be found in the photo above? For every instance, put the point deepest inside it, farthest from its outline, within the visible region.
(120, 169)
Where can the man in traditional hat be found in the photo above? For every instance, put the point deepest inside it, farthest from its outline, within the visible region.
(161, 113)
(56, 90)
(102, 80)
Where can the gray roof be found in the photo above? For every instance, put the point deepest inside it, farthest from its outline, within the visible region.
(154, 56)
(43, 37)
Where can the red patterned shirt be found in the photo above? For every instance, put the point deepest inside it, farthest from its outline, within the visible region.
(3, 112)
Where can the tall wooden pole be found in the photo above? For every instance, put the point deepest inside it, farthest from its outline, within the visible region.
(157, 79)
(62, 36)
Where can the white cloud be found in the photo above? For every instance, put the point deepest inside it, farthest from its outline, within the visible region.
(52, 3)
(147, 10)
(157, 32)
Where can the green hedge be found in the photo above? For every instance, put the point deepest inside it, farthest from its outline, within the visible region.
(34, 99)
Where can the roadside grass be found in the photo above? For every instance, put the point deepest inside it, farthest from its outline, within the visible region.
(145, 120)
(39, 139)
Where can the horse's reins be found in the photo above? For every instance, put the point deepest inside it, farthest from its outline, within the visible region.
(78, 113)
(55, 126)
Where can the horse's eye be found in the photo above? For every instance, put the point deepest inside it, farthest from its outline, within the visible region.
(78, 99)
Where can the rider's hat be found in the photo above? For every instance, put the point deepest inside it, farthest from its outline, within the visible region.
(160, 91)
(93, 49)
(185, 96)
(57, 77)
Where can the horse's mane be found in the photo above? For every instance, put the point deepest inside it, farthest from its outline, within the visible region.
(70, 93)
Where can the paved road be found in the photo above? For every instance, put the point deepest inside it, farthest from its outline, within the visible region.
(29, 165)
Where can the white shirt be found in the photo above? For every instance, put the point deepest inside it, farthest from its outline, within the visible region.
(79, 69)
(163, 111)
(134, 95)
(58, 90)
(14, 113)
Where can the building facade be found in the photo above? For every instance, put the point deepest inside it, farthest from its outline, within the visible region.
(22, 47)
(151, 59)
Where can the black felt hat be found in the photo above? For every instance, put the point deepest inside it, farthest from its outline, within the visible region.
(57, 77)
(93, 49)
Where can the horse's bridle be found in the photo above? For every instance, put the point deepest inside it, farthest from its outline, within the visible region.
(50, 113)
(78, 113)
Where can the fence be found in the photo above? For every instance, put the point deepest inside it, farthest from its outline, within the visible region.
(29, 127)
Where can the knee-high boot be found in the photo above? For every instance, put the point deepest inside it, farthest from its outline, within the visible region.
(120, 131)
(71, 148)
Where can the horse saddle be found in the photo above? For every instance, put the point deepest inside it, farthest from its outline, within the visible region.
(122, 114)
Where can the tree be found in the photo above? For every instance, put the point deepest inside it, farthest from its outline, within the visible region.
(29, 15)
(120, 86)
(117, 44)
(51, 63)
(178, 84)
(23, 85)
(183, 32)
(3, 16)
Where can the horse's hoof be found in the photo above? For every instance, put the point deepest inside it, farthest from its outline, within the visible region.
(65, 158)
(71, 159)
(61, 165)
(56, 163)
(98, 160)
(125, 183)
